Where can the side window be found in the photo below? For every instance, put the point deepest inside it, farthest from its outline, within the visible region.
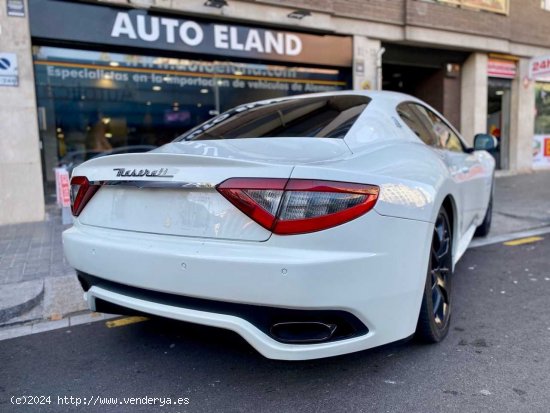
(445, 138)
(408, 115)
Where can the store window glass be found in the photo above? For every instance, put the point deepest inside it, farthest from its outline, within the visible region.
(542, 105)
(93, 103)
(541, 139)
(499, 95)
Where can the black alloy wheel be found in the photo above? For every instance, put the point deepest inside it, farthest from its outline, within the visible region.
(435, 312)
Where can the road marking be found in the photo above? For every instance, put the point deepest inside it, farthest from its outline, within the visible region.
(497, 239)
(125, 321)
(521, 241)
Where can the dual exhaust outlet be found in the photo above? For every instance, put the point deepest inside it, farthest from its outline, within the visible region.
(302, 332)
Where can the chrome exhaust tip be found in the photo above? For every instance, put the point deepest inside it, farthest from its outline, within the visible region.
(302, 332)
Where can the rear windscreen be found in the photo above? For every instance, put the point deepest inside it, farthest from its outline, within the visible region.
(315, 117)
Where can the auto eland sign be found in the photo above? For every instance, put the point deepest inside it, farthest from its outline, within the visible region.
(78, 22)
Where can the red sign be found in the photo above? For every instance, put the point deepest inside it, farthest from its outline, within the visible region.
(547, 147)
(501, 68)
(63, 187)
(539, 66)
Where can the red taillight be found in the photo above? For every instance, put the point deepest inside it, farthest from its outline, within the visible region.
(296, 206)
(257, 198)
(81, 192)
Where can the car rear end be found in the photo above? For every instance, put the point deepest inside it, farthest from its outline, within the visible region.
(254, 254)
(301, 267)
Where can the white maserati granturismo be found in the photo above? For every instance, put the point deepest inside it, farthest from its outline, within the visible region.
(312, 225)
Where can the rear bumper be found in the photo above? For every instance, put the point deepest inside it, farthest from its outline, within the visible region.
(265, 345)
(376, 279)
(262, 318)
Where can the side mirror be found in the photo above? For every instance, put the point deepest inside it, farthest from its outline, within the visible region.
(485, 142)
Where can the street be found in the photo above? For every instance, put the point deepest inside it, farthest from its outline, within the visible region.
(496, 358)
(297, 178)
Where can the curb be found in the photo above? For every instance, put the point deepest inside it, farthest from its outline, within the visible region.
(74, 320)
(18, 310)
(46, 299)
(508, 237)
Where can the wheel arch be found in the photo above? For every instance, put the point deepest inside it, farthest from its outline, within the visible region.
(449, 205)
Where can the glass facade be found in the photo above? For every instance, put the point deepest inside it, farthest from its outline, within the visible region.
(541, 139)
(499, 95)
(92, 103)
(542, 105)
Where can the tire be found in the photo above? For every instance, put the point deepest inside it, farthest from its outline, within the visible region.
(485, 227)
(435, 312)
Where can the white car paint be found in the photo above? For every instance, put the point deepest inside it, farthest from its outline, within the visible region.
(197, 244)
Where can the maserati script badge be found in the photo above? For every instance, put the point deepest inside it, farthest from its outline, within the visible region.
(157, 173)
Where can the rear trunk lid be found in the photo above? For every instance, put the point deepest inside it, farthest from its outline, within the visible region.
(270, 150)
(171, 191)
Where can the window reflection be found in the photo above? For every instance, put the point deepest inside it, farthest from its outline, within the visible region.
(93, 103)
(322, 117)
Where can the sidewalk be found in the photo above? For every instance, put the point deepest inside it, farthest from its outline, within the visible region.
(36, 282)
(521, 202)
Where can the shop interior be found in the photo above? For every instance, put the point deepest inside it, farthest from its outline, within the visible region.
(93, 103)
(498, 118)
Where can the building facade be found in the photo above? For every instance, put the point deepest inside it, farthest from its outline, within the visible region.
(83, 78)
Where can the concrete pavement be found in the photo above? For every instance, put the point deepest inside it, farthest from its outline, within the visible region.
(36, 282)
(521, 202)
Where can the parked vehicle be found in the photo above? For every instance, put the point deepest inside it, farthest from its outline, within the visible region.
(313, 225)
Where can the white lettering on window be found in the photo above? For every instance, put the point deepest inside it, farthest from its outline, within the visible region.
(274, 42)
(170, 25)
(293, 45)
(253, 41)
(234, 40)
(221, 37)
(148, 28)
(153, 35)
(188, 26)
(123, 26)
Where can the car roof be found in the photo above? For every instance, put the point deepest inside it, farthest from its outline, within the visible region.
(375, 95)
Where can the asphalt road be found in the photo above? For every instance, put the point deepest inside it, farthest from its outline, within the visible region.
(496, 358)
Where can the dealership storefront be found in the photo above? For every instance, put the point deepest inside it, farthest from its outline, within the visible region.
(113, 76)
(137, 80)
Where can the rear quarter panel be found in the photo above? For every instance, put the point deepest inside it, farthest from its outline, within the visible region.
(414, 181)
